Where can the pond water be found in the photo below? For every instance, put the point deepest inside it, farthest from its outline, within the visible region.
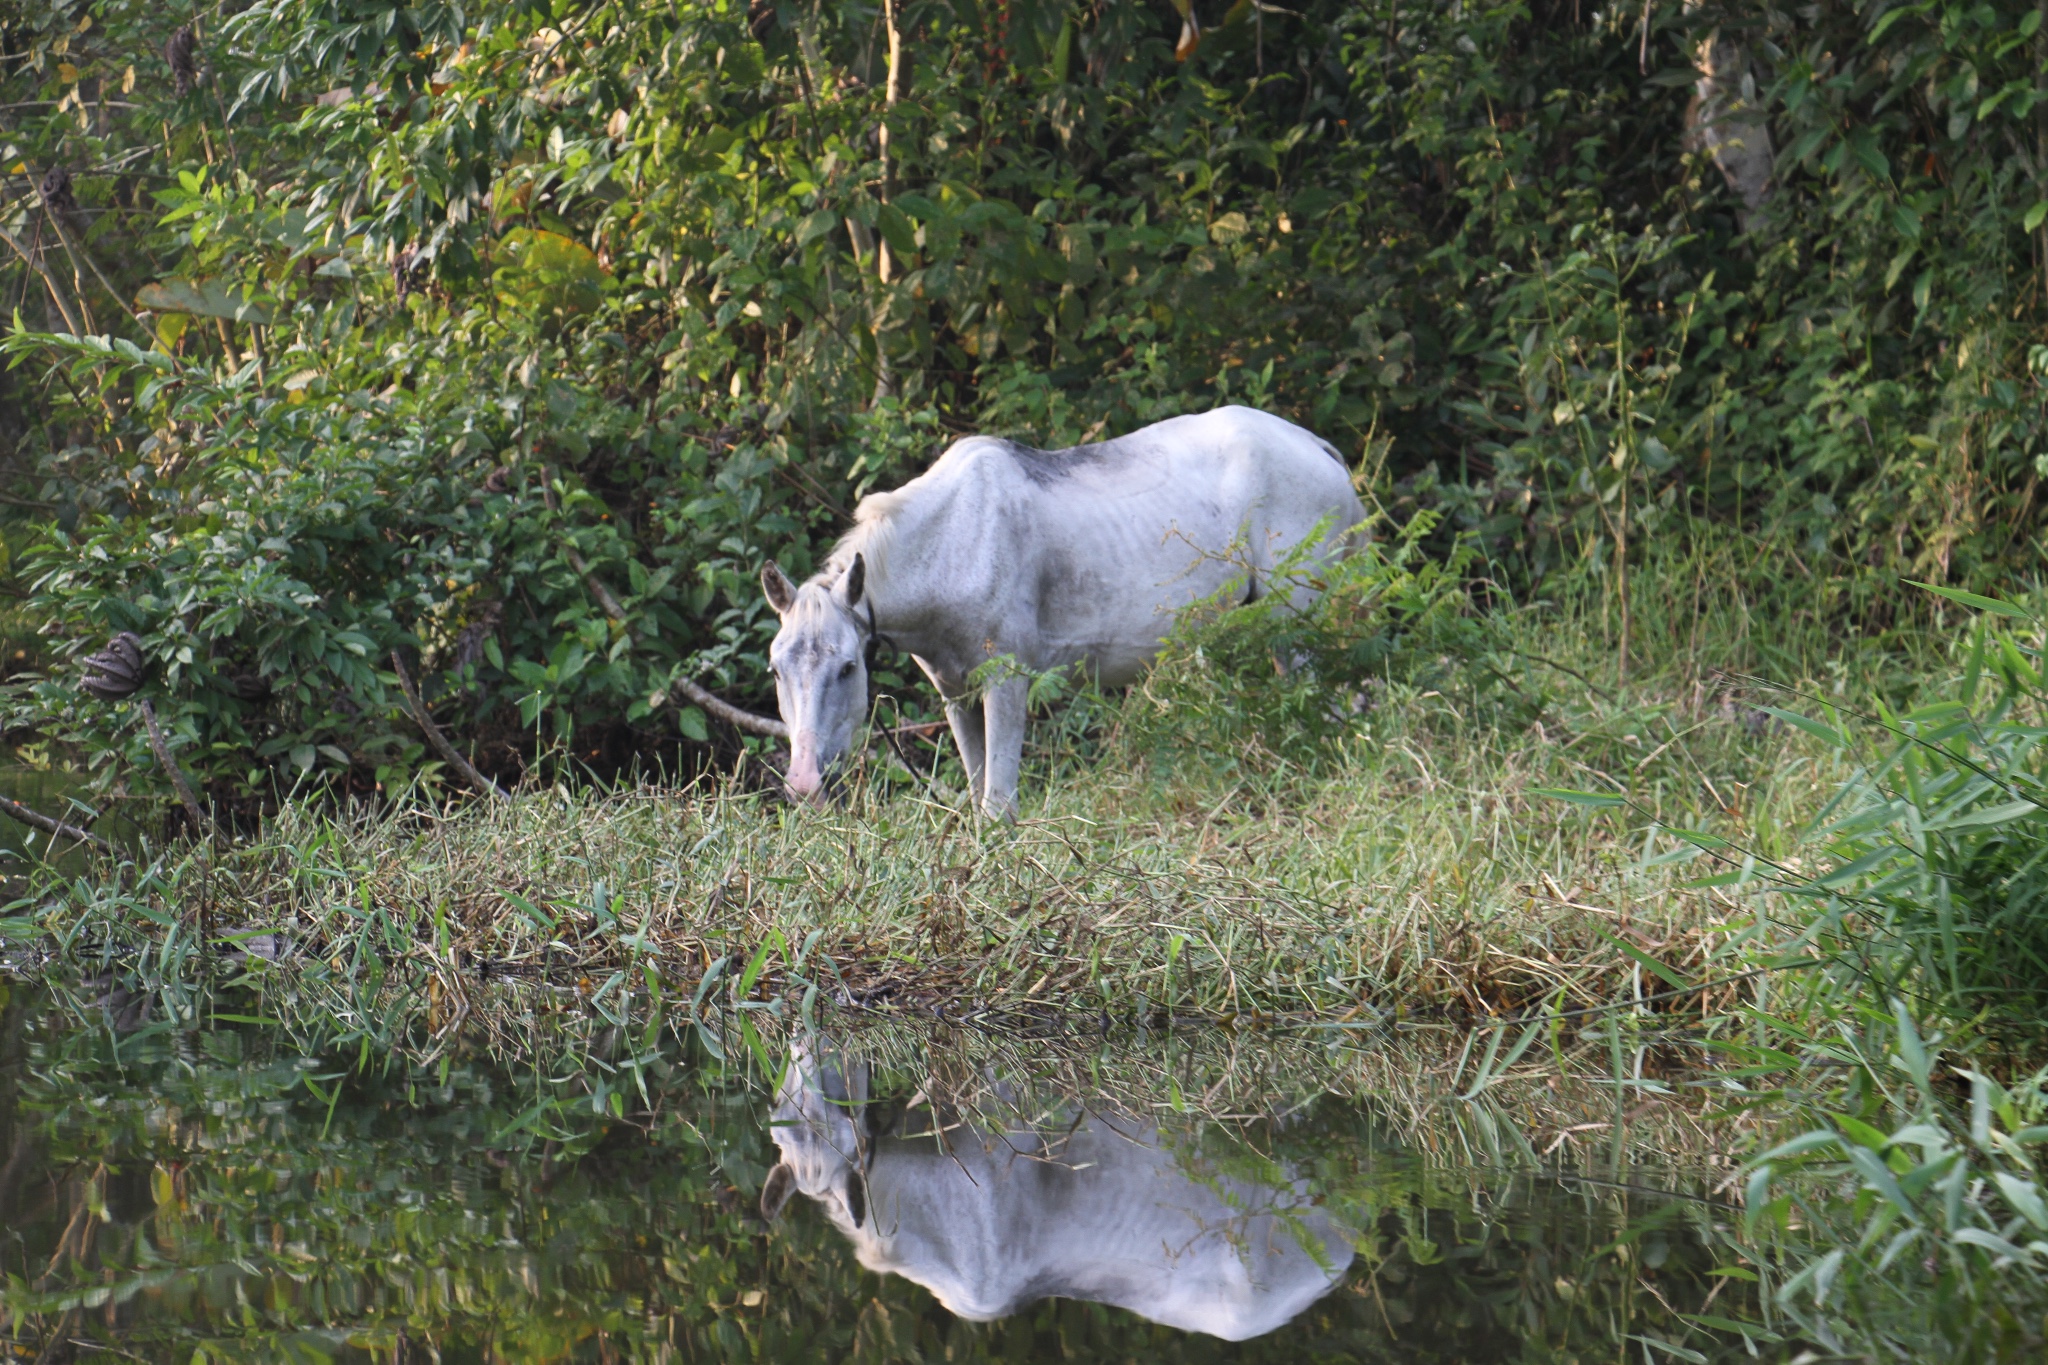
(62, 796)
(203, 1193)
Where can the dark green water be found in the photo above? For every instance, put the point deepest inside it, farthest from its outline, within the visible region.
(61, 796)
(201, 1193)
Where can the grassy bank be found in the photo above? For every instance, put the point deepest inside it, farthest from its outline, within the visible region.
(1415, 870)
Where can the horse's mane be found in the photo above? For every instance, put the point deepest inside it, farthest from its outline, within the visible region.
(878, 519)
(874, 532)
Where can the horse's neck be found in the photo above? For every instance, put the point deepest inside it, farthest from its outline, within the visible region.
(903, 591)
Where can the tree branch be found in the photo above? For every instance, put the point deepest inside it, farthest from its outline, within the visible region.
(440, 741)
(576, 560)
(163, 756)
(77, 252)
(730, 714)
(48, 282)
(51, 826)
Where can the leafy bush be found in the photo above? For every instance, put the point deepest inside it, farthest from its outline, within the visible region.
(1938, 846)
(1916, 1039)
(1274, 680)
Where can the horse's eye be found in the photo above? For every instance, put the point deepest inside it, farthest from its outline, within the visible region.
(846, 669)
(775, 672)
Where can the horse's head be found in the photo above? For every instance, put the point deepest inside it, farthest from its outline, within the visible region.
(821, 675)
(823, 1127)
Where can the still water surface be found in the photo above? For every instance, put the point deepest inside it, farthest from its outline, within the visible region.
(201, 1194)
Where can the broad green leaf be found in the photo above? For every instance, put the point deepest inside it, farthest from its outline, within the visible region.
(2025, 1198)
(1990, 1241)
(1974, 600)
(2002, 814)
(1812, 727)
(1911, 1051)
(1580, 798)
(1799, 1146)
(1879, 1177)
(205, 298)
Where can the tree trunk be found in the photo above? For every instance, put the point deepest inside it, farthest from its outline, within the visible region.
(1726, 120)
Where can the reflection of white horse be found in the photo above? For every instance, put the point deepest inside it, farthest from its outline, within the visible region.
(1093, 1208)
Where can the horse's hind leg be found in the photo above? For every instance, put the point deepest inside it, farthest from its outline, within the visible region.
(1005, 706)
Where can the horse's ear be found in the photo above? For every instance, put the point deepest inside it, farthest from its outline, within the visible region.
(856, 580)
(775, 1194)
(781, 592)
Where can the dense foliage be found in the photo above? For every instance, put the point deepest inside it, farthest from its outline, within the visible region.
(516, 336)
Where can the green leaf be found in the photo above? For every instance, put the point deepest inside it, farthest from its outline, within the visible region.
(1911, 1050)
(2004, 813)
(2035, 215)
(1812, 727)
(1642, 959)
(1974, 600)
(1879, 1177)
(540, 918)
(1990, 1241)
(2025, 1198)
(1850, 871)
(203, 298)
(1799, 1146)
(1600, 800)
(760, 960)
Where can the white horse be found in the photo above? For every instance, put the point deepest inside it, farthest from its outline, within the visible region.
(1049, 558)
(1091, 1208)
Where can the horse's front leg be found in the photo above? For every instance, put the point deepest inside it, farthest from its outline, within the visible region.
(1005, 707)
(964, 717)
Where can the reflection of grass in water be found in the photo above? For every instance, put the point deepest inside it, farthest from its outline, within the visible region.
(246, 1215)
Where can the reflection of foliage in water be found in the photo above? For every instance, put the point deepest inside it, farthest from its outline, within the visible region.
(206, 1191)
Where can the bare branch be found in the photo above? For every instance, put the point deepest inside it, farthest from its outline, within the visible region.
(51, 826)
(49, 282)
(730, 714)
(440, 741)
(163, 756)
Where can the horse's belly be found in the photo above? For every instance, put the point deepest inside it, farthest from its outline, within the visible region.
(1112, 621)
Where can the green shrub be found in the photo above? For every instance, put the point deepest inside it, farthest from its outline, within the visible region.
(1271, 681)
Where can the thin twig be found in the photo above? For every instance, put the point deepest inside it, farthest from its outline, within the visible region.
(1591, 686)
(52, 826)
(440, 742)
(163, 756)
(49, 282)
(77, 252)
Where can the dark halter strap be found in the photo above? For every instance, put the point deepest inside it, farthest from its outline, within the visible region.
(876, 641)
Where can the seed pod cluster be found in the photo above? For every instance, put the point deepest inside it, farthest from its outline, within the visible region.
(180, 55)
(116, 671)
